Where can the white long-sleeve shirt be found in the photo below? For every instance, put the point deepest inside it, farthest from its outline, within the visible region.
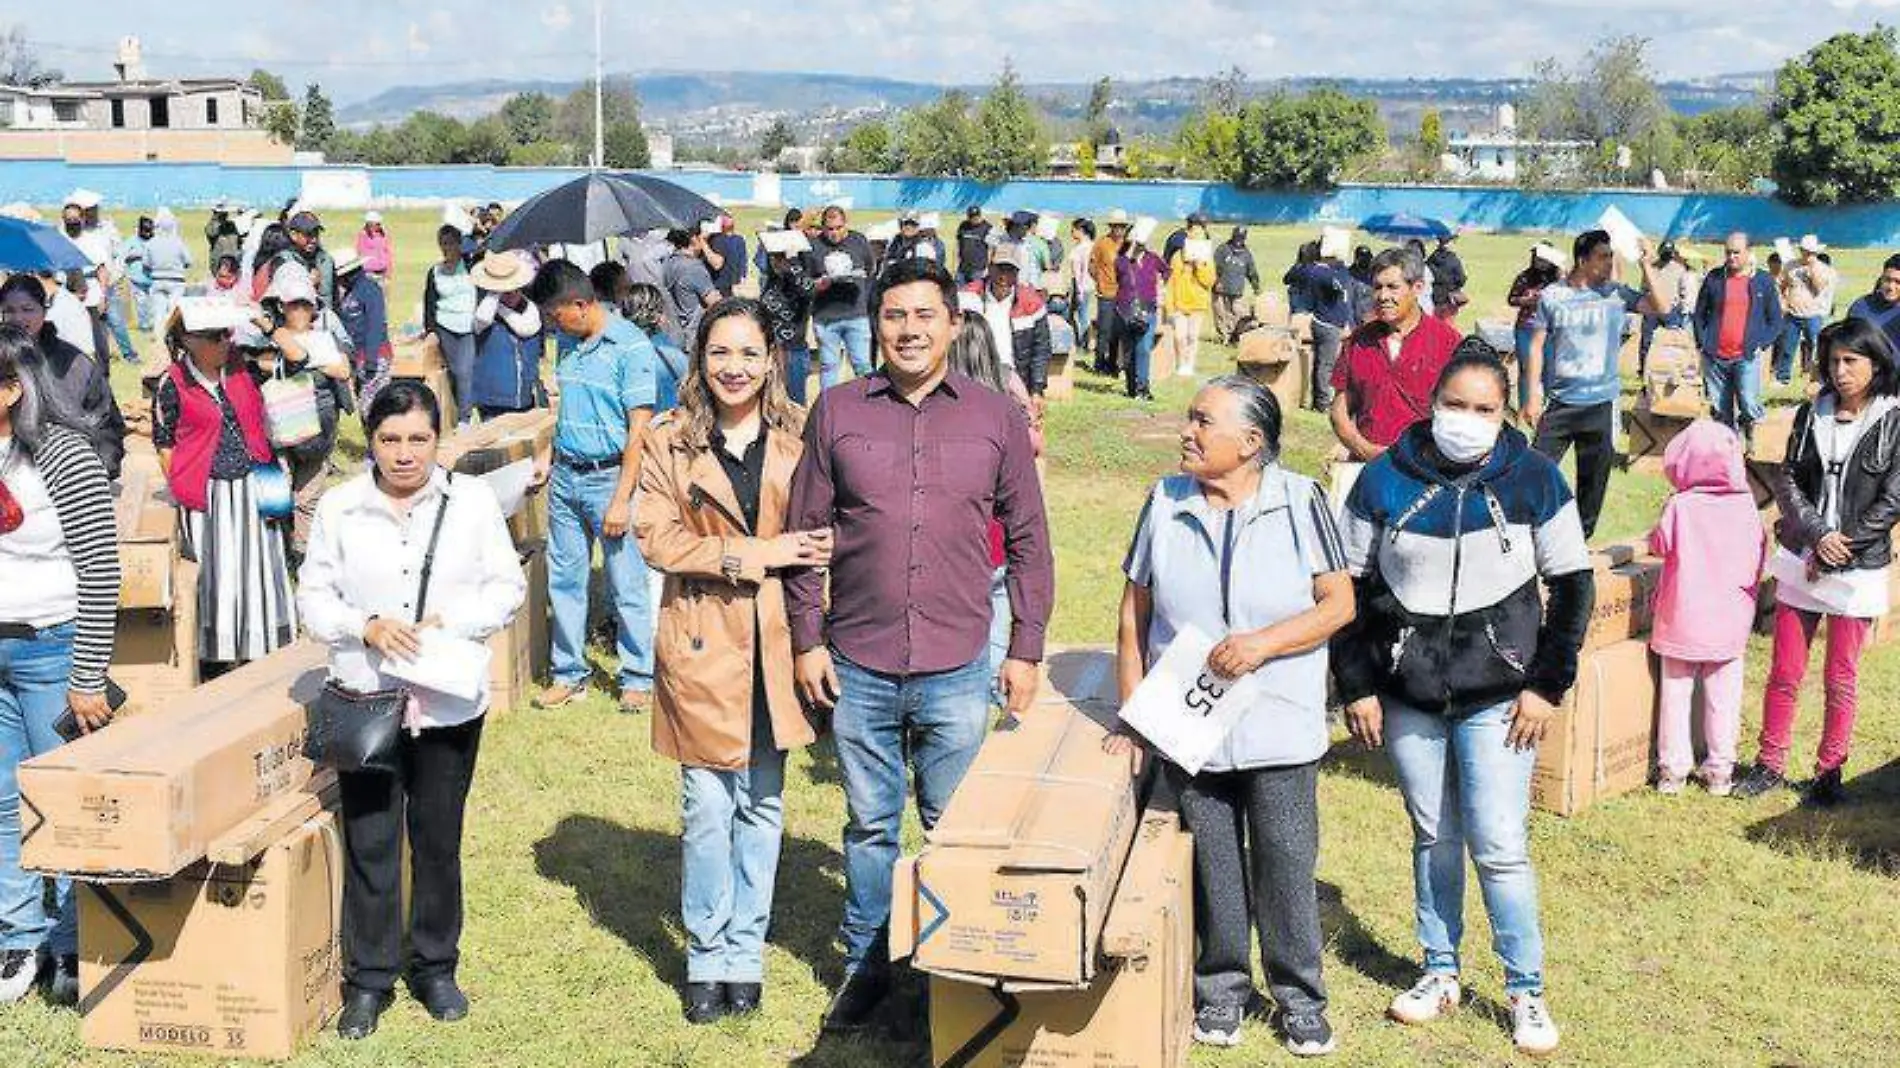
(365, 559)
(523, 323)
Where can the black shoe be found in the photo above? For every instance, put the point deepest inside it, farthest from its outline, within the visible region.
(1757, 780)
(1307, 1034)
(744, 998)
(855, 1002)
(1145, 394)
(705, 1002)
(362, 1009)
(439, 994)
(1826, 790)
(63, 989)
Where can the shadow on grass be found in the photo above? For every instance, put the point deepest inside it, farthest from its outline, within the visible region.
(898, 1036)
(628, 879)
(1366, 955)
(1354, 758)
(1863, 830)
(823, 769)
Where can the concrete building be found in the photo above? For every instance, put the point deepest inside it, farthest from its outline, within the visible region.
(1498, 155)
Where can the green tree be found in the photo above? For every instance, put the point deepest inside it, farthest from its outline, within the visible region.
(1208, 146)
(529, 117)
(939, 138)
(868, 149)
(268, 84)
(540, 154)
(1837, 133)
(1610, 98)
(1305, 142)
(1728, 148)
(319, 120)
(1008, 137)
(625, 145)
(1431, 136)
(1138, 158)
(486, 140)
(1095, 119)
(280, 119)
(620, 106)
(1085, 159)
(777, 139)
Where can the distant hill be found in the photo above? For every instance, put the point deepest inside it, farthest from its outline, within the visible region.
(735, 107)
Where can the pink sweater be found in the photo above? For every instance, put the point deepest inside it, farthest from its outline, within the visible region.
(1713, 547)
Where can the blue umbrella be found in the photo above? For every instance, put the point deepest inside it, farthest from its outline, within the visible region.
(1403, 225)
(31, 246)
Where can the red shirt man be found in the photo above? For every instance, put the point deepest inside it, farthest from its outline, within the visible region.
(1383, 381)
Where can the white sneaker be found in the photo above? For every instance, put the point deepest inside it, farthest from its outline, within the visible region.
(18, 969)
(1434, 995)
(1531, 1026)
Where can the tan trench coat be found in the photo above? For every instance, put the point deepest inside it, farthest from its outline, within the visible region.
(688, 522)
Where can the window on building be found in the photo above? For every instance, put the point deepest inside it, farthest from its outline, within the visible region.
(161, 112)
(118, 113)
(6, 111)
(211, 111)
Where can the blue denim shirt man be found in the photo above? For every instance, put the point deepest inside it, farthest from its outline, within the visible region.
(608, 391)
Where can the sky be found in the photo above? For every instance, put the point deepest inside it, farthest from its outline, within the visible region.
(357, 48)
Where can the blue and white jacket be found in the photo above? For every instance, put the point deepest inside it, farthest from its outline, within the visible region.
(1446, 564)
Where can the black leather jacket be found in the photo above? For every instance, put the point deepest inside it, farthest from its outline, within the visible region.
(1870, 495)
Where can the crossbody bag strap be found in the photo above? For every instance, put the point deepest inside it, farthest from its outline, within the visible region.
(428, 556)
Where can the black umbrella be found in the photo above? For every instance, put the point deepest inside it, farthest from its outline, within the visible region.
(598, 206)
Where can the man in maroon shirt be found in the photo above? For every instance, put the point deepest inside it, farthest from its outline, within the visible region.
(907, 466)
(1383, 382)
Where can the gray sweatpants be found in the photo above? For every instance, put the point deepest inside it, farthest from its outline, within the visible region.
(1256, 844)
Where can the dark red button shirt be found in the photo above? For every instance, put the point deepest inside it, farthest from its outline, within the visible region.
(1386, 395)
(910, 492)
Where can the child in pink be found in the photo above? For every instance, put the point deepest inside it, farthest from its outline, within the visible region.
(1711, 540)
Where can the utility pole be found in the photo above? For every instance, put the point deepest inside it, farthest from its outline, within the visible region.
(600, 152)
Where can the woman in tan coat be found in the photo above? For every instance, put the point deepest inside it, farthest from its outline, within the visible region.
(714, 478)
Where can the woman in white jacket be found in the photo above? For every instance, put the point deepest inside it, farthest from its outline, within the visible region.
(404, 548)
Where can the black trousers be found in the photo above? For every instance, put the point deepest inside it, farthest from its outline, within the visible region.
(1592, 428)
(429, 797)
(1256, 847)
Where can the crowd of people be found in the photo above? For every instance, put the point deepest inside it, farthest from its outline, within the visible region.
(876, 564)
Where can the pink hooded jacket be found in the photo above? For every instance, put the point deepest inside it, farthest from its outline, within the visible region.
(1713, 547)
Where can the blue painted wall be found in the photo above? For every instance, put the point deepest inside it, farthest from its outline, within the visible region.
(1675, 214)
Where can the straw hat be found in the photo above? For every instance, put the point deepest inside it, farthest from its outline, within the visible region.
(502, 272)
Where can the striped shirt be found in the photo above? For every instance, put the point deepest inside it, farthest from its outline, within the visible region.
(75, 480)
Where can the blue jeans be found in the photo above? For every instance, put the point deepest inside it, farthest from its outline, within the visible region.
(142, 304)
(33, 680)
(1808, 327)
(846, 338)
(577, 508)
(1081, 314)
(1139, 349)
(732, 824)
(458, 352)
(939, 721)
(797, 370)
(999, 632)
(160, 300)
(1734, 389)
(1464, 788)
(116, 325)
(1524, 335)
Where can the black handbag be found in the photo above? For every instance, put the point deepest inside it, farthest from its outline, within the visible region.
(352, 731)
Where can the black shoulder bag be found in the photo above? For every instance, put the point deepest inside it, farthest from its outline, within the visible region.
(352, 731)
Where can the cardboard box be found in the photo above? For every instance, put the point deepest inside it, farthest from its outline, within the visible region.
(520, 651)
(1290, 380)
(1016, 880)
(1676, 396)
(1061, 381)
(147, 521)
(1267, 346)
(1625, 595)
(1163, 360)
(1601, 742)
(155, 652)
(1139, 1013)
(1770, 436)
(1650, 431)
(1761, 482)
(416, 358)
(145, 798)
(1270, 308)
(235, 961)
(439, 383)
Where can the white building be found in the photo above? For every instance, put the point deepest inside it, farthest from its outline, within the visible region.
(55, 107)
(1498, 155)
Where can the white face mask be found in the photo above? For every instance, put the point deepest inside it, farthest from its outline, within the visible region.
(1463, 437)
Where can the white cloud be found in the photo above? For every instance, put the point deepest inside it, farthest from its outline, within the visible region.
(557, 17)
(418, 45)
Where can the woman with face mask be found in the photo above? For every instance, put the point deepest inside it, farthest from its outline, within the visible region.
(1455, 664)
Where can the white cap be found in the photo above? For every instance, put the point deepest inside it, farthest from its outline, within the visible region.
(372, 216)
(291, 284)
(1811, 243)
(204, 314)
(1118, 217)
(83, 199)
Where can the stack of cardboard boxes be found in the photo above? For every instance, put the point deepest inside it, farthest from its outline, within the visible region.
(209, 866)
(1278, 352)
(420, 358)
(1054, 918)
(155, 657)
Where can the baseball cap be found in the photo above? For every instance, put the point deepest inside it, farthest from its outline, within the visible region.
(304, 222)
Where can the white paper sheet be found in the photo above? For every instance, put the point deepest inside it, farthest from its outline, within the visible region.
(1185, 710)
(1625, 238)
(784, 242)
(510, 484)
(1198, 251)
(446, 664)
(1047, 227)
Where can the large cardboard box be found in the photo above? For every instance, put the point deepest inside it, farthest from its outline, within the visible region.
(494, 444)
(145, 797)
(1770, 435)
(1139, 1013)
(416, 358)
(155, 652)
(1600, 743)
(1290, 380)
(1017, 877)
(1061, 383)
(1267, 346)
(1650, 432)
(147, 522)
(1163, 360)
(520, 650)
(231, 961)
(1625, 596)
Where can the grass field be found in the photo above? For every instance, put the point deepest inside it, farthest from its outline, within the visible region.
(1691, 931)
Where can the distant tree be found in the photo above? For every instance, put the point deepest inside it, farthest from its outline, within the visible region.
(20, 61)
(529, 117)
(1139, 159)
(1226, 91)
(868, 149)
(1008, 137)
(1610, 98)
(1728, 148)
(540, 154)
(620, 106)
(486, 140)
(1085, 164)
(625, 145)
(1431, 136)
(938, 139)
(319, 120)
(1096, 118)
(281, 120)
(1837, 138)
(270, 85)
(1305, 142)
(1208, 146)
(777, 139)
